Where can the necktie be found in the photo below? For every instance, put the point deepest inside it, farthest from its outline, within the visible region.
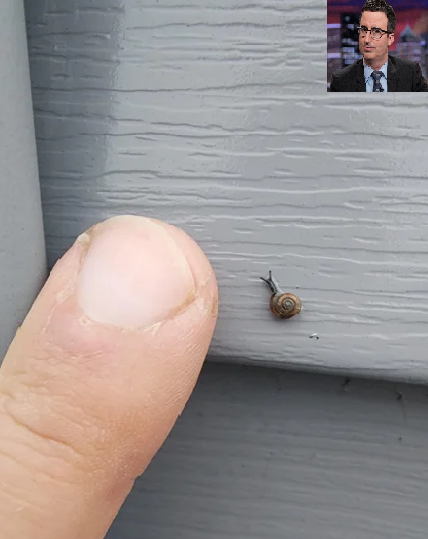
(376, 85)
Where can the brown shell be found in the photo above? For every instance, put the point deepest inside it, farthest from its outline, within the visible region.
(285, 305)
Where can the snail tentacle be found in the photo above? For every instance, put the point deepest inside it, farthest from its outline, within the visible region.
(271, 283)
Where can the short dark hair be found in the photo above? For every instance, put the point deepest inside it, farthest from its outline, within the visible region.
(381, 5)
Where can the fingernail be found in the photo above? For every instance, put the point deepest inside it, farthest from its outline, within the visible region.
(134, 274)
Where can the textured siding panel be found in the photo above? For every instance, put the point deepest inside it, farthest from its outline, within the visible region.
(263, 453)
(214, 116)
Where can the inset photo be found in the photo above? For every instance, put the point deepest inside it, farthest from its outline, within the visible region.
(377, 46)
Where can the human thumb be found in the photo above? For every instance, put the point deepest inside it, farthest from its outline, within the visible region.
(98, 374)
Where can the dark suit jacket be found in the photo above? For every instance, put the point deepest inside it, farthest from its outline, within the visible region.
(402, 76)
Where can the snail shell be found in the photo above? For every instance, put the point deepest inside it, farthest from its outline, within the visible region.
(285, 305)
(282, 304)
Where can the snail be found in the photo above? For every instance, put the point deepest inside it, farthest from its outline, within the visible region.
(282, 304)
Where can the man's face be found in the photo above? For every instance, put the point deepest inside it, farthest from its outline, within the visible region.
(375, 52)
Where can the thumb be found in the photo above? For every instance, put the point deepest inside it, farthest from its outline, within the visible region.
(98, 373)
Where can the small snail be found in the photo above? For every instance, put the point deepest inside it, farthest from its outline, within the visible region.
(282, 304)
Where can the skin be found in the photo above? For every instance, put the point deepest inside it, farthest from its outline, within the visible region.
(378, 54)
(85, 405)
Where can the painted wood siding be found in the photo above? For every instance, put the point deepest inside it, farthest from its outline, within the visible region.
(213, 115)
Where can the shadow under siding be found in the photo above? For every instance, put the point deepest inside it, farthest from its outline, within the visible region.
(271, 453)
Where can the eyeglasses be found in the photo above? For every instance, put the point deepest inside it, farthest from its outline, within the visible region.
(376, 33)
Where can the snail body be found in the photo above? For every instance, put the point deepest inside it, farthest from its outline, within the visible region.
(282, 304)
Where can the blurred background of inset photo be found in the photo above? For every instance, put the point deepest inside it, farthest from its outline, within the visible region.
(411, 33)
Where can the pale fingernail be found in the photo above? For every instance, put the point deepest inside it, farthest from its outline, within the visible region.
(134, 274)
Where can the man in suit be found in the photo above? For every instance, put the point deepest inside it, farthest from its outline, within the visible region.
(378, 71)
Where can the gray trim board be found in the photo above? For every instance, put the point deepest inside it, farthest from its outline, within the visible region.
(22, 246)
